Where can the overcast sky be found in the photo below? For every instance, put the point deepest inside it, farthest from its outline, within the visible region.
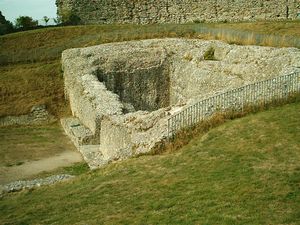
(36, 9)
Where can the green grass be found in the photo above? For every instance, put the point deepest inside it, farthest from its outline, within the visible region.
(76, 169)
(47, 44)
(245, 171)
(25, 85)
(29, 143)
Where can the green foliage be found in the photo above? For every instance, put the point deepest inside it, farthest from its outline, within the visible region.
(5, 25)
(198, 21)
(77, 169)
(26, 22)
(209, 54)
(68, 18)
(57, 20)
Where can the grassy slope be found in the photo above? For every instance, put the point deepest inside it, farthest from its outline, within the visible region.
(25, 85)
(264, 27)
(47, 44)
(244, 172)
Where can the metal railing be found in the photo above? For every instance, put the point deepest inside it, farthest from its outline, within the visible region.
(261, 92)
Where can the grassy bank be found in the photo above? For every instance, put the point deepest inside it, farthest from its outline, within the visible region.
(47, 44)
(243, 172)
(25, 85)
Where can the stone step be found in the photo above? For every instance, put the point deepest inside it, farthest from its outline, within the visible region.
(78, 133)
(93, 156)
(84, 141)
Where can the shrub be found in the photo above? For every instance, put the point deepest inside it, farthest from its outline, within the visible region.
(5, 25)
(209, 54)
(198, 21)
(66, 17)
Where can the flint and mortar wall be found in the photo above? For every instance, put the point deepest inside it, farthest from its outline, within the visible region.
(192, 77)
(138, 76)
(178, 65)
(87, 96)
(177, 11)
(38, 115)
(133, 133)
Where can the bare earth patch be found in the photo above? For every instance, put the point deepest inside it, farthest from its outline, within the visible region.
(32, 168)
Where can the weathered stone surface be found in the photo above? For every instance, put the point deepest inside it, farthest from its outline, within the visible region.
(174, 11)
(79, 134)
(30, 184)
(124, 93)
(93, 156)
(37, 115)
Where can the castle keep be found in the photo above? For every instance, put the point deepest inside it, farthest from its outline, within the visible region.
(177, 11)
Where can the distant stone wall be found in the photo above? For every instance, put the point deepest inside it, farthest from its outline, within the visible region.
(177, 11)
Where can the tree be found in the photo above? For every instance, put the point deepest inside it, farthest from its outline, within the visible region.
(5, 25)
(46, 20)
(66, 17)
(26, 22)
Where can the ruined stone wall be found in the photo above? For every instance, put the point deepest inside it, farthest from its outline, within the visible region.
(177, 11)
(87, 96)
(101, 81)
(37, 115)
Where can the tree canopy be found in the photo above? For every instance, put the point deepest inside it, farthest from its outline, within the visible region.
(25, 22)
(5, 25)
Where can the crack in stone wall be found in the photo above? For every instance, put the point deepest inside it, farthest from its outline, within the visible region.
(174, 11)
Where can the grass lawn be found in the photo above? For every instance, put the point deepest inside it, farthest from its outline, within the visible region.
(29, 143)
(245, 171)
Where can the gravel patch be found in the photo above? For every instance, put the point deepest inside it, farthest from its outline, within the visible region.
(30, 184)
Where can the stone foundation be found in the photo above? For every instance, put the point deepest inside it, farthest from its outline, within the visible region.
(122, 94)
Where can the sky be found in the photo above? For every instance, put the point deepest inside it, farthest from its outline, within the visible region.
(36, 9)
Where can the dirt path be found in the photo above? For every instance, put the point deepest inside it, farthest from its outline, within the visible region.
(32, 168)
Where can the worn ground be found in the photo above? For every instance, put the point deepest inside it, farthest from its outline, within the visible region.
(30, 150)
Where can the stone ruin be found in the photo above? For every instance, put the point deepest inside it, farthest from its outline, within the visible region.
(122, 94)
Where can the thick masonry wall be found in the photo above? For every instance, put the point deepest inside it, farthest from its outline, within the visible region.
(123, 94)
(177, 11)
(133, 133)
(87, 96)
